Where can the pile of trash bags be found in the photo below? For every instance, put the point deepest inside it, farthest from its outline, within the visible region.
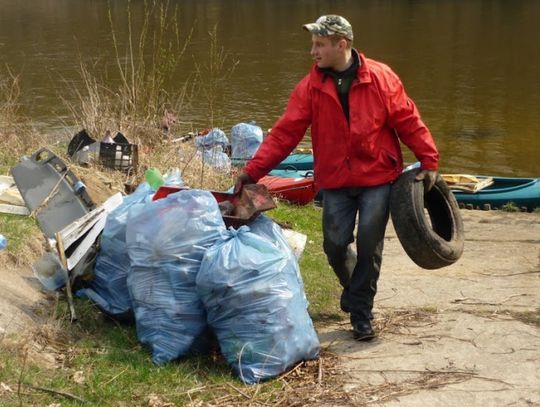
(173, 266)
(215, 149)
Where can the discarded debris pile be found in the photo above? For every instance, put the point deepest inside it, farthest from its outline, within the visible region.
(186, 265)
(187, 273)
(111, 152)
(179, 252)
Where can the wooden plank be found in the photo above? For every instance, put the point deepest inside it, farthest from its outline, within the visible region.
(90, 224)
(12, 196)
(63, 260)
(467, 183)
(5, 183)
(14, 209)
(9, 193)
(86, 244)
(72, 232)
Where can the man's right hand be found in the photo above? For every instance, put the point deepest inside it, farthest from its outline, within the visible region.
(241, 180)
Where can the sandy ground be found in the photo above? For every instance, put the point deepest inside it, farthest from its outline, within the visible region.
(22, 303)
(461, 335)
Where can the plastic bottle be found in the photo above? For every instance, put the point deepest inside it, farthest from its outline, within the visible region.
(153, 177)
(79, 187)
(3, 242)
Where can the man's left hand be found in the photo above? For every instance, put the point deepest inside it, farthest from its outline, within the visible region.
(429, 177)
(243, 179)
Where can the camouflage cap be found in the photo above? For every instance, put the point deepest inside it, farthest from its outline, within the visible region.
(330, 25)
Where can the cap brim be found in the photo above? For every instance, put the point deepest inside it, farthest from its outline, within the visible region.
(313, 28)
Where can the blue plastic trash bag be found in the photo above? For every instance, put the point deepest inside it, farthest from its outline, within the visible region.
(216, 137)
(166, 241)
(255, 305)
(265, 227)
(216, 158)
(108, 289)
(245, 140)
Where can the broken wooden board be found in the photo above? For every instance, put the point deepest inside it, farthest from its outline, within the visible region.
(14, 209)
(9, 193)
(467, 183)
(87, 228)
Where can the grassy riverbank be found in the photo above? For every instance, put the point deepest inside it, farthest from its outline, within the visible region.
(101, 361)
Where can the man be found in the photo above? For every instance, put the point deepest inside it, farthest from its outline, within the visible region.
(358, 112)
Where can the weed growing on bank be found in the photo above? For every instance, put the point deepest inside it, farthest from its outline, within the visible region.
(510, 207)
(17, 138)
(145, 61)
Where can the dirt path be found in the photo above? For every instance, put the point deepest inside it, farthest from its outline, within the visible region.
(22, 304)
(463, 335)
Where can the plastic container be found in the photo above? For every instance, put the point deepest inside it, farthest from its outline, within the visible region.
(79, 187)
(49, 271)
(3, 242)
(119, 156)
(154, 178)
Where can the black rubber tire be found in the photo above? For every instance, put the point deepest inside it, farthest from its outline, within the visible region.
(434, 239)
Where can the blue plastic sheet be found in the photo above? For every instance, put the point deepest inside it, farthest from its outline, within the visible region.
(166, 242)
(245, 140)
(256, 305)
(108, 289)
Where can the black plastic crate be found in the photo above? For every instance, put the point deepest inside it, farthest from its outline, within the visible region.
(119, 156)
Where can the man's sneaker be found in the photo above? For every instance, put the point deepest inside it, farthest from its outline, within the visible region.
(362, 331)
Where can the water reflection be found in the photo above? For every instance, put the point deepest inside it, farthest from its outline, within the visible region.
(471, 66)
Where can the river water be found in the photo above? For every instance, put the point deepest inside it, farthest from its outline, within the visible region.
(472, 67)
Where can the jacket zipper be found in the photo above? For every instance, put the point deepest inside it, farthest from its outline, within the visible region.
(348, 159)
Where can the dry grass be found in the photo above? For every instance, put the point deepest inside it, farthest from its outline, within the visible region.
(33, 248)
(528, 317)
(146, 60)
(319, 382)
(16, 136)
(413, 382)
(397, 321)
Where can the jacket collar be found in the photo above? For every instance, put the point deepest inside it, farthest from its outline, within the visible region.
(363, 75)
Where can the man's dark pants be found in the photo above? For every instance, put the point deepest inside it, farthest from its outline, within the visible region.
(341, 208)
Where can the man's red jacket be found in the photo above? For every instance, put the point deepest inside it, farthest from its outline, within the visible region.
(362, 152)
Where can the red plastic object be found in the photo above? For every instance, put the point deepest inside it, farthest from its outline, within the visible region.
(300, 190)
(246, 205)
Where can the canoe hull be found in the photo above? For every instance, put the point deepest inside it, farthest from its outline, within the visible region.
(296, 162)
(292, 173)
(523, 192)
(300, 191)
